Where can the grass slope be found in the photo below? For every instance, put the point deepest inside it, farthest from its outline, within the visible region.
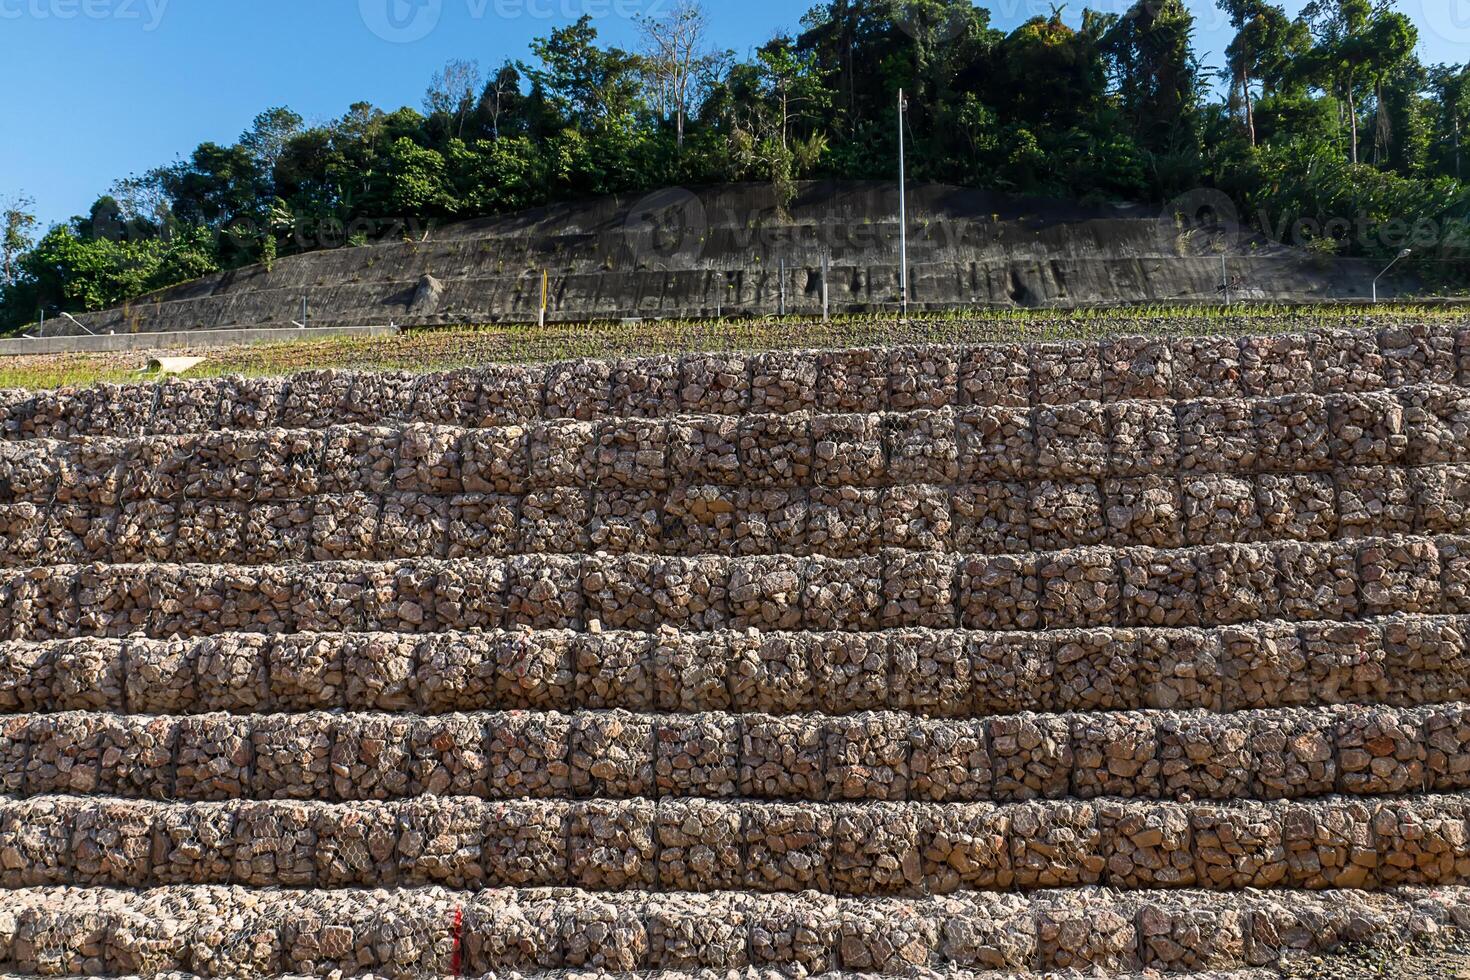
(438, 350)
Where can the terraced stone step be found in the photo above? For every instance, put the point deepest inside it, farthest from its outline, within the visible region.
(898, 379)
(847, 849)
(1404, 662)
(1077, 589)
(234, 932)
(992, 518)
(949, 973)
(1420, 425)
(918, 973)
(1285, 754)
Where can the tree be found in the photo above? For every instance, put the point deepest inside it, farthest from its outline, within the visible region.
(677, 60)
(583, 84)
(1451, 87)
(84, 274)
(269, 134)
(216, 186)
(1391, 41)
(1265, 46)
(501, 98)
(17, 221)
(1340, 28)
(791, 85)
(1157, 77)
(144, 203)
(1046, 75)
(452, 93)
(414, 180)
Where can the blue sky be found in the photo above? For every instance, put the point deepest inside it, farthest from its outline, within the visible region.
(98, 89)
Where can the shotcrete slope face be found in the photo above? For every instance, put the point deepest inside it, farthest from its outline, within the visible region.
(731, 251)
(1122, 656)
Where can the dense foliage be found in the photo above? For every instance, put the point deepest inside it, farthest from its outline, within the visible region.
(1325, 130)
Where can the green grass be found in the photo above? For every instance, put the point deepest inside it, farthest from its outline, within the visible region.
(431, 350)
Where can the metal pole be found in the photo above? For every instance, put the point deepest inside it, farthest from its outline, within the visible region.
(783, 287)
(903, 214)
(304, 320)
(826, 297)
(545, 292)
(1402, 255)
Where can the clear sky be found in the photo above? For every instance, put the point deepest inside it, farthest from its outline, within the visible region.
(98, 89)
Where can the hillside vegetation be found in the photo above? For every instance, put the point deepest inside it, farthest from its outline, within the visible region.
(1325, 131)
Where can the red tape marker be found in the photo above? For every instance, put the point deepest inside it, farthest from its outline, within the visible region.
(455, 963)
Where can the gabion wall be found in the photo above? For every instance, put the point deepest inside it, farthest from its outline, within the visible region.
(899, 379)
(1403, 661)
(430, 931)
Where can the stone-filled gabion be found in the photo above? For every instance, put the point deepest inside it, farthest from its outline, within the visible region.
(997, 374)
(1435, 424)
(783, 382)
(1066, 514)
(1147, 846)
(852, 381)
(644, 387)
(699, 846)
(1144, 438)
(1348, 361)
(1442, 494)
(1318, 581)
(782, 758)
(1000, 593)
(1294, 752)
(1237, 584)
(1297, 507)
(848, 450)
(1032, 755)
(787, 848)
(1217, 436)
(923, 447)
(995, 443)
(1143, 510)
(716, 383)
(1374, 502)
(922, 378)
(1425, 661)
(1115, 755)
(1219, 509)
(991, 518)
(1238, 846)
(1065, 373)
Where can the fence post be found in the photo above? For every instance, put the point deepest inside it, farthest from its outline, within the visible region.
(826, 296)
